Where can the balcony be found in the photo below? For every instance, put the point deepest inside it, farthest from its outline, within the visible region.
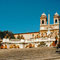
(43, 28)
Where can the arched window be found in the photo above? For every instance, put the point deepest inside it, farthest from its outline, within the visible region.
(42, 21)
(56, 21)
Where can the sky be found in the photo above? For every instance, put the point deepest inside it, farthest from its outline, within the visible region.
(21, 16)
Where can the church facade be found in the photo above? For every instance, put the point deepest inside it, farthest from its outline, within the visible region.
(44, 28)
(47, 35)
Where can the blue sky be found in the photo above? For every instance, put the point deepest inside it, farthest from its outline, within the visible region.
(20, 16)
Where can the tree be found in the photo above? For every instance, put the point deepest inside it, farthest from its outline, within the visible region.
(2, 35)
(18, 37)
(22, 37)
(6, 33)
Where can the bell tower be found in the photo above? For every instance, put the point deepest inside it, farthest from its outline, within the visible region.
(43, 19)
(56, 18)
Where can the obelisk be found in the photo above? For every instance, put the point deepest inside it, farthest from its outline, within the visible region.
(48, 25)
(49, 20)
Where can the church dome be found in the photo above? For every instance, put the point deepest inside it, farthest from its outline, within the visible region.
(56, 14)
(43, 14)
